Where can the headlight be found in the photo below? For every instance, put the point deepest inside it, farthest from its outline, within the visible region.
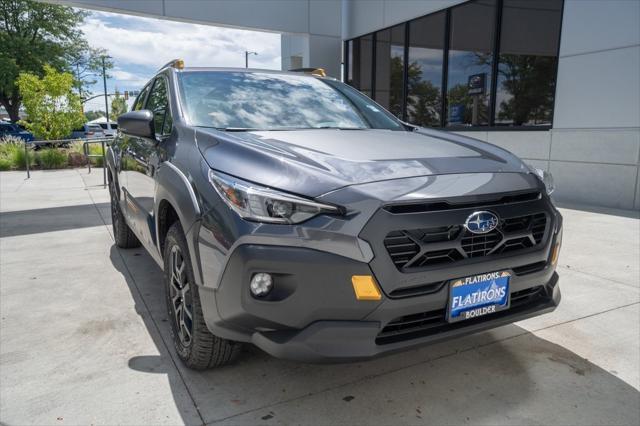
(265, 205)
(545, 177)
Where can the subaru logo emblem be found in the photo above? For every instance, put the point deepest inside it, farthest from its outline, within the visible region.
(481, 222)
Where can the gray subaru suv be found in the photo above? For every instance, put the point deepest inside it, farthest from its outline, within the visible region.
(289, 211)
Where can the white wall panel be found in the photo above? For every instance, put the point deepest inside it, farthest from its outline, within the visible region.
(597, 146)
(274, 15)
(599, 90)
(530, 145)
(591, 25)
(596, 184)
(325, 17)
(637, 204)
(397, 11)
(363, 16)
(133, 7)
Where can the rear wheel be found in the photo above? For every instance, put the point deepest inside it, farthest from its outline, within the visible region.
(194, 343)
(124, 236)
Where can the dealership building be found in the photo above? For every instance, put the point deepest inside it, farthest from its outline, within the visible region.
(555, 82)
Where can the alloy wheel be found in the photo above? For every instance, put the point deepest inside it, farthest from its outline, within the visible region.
(180, 296)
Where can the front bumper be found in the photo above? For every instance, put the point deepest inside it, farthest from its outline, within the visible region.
(339, 341)
(312, 315)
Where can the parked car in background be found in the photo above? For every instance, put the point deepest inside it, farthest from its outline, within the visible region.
(88, 131)
(109, 129)
(11, 129)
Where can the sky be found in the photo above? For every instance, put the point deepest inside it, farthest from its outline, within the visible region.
(140, 46)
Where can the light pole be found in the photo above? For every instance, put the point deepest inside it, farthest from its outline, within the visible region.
(106, 97)
(246, 57)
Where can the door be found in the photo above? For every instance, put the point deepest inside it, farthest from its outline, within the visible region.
(142, 159)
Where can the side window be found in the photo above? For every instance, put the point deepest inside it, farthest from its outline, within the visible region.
(139, 103)
(158, 103)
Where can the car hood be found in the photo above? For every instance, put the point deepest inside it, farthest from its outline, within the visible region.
(314, 162)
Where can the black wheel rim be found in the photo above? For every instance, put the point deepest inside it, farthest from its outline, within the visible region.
(180, 296)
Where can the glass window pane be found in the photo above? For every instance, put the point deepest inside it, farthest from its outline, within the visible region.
(470, 62)
(527, 63)
(139, 103)
(361, 64)
(349, 62)
(365, 64)
(390, 68)
(158, 103)
(426, 44)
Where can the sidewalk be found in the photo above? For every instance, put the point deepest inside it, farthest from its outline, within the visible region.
(84, 337)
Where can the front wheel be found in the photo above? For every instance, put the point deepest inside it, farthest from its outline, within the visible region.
(194, 343)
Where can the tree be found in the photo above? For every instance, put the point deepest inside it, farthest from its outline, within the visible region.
(86, 64)
(423, 100)
(53, 109)
(92, 115)
(33, 34)
(528, 81)
(118, 106)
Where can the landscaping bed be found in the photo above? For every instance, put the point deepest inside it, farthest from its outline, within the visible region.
(14, 157)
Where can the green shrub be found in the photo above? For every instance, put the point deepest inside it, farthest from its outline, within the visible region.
(96, 149)
(7, 150)
(76, 146)
(11, 140)
(19, 158)
(5, 164)
(52, 158)
(8, 146)
(12, 150)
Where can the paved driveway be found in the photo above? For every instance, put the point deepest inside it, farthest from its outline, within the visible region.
(84, 338)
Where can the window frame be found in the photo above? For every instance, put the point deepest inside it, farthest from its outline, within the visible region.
(445, 69)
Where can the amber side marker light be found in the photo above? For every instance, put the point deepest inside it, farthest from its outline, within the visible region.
(555, 254)
(365, 287)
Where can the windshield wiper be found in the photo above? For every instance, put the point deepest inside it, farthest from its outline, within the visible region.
(237, 129)
(339, 128)
(231, 129)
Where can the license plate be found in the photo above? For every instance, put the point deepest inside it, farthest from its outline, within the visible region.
(478, 295)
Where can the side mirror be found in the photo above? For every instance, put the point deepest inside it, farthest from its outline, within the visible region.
(137, 123)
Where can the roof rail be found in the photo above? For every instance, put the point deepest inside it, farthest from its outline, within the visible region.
(318, 72)
(176, 63)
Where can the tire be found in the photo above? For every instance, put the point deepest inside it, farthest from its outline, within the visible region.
(194, 343)
(124, 236)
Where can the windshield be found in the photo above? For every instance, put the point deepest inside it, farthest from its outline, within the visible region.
(230, 100)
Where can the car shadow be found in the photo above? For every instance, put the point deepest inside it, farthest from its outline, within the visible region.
(504, 376)
(25, 222)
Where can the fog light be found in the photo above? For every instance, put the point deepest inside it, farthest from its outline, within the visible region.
(261, 284)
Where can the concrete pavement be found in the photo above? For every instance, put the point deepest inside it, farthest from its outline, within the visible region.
(84, 338)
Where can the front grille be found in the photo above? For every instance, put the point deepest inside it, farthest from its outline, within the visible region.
(433, 322)
(475, 245)
(401, 248)
(420, 248)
